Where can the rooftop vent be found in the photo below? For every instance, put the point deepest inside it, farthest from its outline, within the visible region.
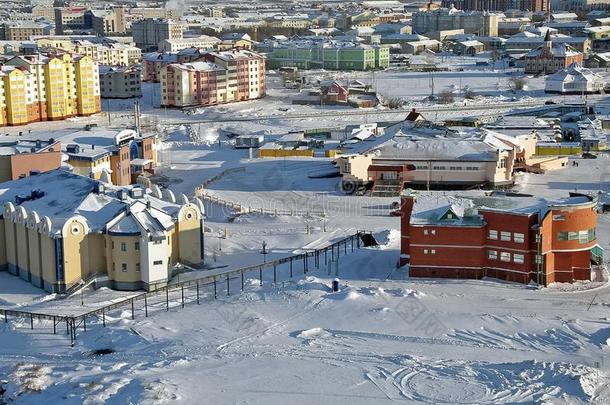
(136, 192)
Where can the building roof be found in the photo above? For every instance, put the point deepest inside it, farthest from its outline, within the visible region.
(575, 73)
(60, 195)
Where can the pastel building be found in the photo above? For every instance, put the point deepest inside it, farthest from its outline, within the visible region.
(220, 77)
(118, 157)
(512, 238)
(48, 88)
(325, 53)
(21, 158)
(58, 229)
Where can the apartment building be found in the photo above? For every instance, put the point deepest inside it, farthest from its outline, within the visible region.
(43, 11)
(20, 158)
(120, 82)
(155, 61)
(48, 87)
(533, 6)
(325, 53)
(69, 18)
(513, 238)
(220, 77)
(107, 22)
(132, 240)
(103, 52)
(149, 32)
(176, 45)
(24, 30)
(483, 24)
(116, 157)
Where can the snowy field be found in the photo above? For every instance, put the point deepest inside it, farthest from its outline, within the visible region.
(383, 338)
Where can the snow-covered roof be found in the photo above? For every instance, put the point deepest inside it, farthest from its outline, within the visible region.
(575, 73)
(60, 195)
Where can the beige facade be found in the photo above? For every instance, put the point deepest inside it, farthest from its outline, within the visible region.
(136, 246)
(175, 45)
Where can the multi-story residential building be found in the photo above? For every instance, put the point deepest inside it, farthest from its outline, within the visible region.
(550, 58)
(520, 239)
(47, 87)
(69, 18)
(222, 77)
(149, 32)
(20, 158)
(106, 22)
(103, 52)
(498, 5)
(155, 61)
(175, 45)
(483, 24)
(44, 11)
(120, 82)
(120, 161)
(132, 239)
(324, 53)
(24, 31)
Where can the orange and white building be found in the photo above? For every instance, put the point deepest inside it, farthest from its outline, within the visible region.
(514, 238)
(219, 77)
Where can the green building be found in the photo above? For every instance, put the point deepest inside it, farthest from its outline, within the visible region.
(329, 56)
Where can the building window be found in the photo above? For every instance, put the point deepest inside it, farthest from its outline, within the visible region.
(124, 267)
(505, 256)
(158, 262)
(137, 267)
(492, 235)
(137, 246)
(518, 237)
(562, 236)
(492, 254)
(518, 258)
(123, 247)
(505, 236)
(112, 245)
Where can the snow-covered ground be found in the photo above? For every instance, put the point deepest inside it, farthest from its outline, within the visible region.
(383, 338)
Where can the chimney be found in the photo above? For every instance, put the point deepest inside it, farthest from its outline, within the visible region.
(92, 146)
(148, 204)
(407, 201)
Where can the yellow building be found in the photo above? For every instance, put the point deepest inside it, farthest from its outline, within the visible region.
(58, 228)
(47, 87)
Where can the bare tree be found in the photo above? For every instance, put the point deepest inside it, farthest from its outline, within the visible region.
(517, 83)
(392, 102)
(446, 97)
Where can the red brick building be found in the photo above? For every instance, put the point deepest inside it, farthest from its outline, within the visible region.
(550, 58)
(522, 239)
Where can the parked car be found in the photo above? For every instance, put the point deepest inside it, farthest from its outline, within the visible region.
(588, 155)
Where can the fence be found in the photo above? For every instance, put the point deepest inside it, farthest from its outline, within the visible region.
(195, 290)
(239, 208)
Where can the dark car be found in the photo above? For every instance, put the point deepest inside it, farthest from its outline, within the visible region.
(588, 155)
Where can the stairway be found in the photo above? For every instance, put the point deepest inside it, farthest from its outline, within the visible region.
(387, 188)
